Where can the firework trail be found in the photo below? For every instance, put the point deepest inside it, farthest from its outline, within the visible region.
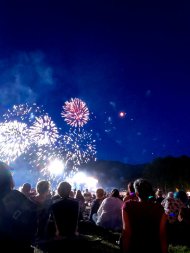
(13, 140)
(43, 131)
(75, 112)
(80, 146)
(24, 112)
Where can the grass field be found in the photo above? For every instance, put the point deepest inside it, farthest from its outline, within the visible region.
(97, 245)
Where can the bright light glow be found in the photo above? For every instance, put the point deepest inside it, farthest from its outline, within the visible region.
(92, 182)
(56, 167)
(122, 114)
(79, 178)
(82, 180)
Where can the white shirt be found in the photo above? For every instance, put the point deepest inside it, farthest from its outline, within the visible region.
(109, 214)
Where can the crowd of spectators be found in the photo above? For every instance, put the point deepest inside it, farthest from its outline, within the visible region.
(144, 219)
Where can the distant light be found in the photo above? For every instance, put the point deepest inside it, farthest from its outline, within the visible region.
(92, 182)
(81, 179)
(56, 167)
(122, 114)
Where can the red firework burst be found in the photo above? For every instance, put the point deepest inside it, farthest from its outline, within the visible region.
(75, 112)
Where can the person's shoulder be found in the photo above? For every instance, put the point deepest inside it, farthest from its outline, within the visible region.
(130, 203)
(19, 197)
(65, 201)
(16, 193)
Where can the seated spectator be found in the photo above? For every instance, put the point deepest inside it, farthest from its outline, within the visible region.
(72, 194)
(43, 201)
(81, 201)
(96, 203)
(43, 192)
(25, 189)
(130, 193)
(109, 212)
(159, 196)
(65, 212)
(17, 216)
(172, 207)
(87, 196)
(144, 222)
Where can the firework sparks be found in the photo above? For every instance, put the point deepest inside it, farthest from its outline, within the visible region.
(39, 156)
(49, 161)
(23, 112)
(75, 112)
(80, 146)
(44, 131)
(27, 132)
(13, 140)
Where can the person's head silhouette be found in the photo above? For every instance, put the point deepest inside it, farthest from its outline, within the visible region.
(6, 179)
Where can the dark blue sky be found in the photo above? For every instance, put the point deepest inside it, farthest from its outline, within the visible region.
(116, 56)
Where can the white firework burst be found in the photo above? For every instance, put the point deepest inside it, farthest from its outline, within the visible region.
(44, 131)
(13, 140)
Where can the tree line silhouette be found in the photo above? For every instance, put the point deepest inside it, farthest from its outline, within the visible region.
(167, 173)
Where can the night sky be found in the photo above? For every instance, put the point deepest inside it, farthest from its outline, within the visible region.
(114, 55)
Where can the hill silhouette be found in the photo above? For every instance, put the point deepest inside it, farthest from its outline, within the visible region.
(168, 173)
(113, 173)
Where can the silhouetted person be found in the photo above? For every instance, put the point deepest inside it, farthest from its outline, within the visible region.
(43, 202)
(130, 193)
(144, 222)
(25, 189)
(159, 196)
(80, 198)
(65, 211)
(17, 216)
(109, 212)
(96, 203)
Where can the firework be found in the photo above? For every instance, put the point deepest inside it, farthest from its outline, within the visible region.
(122, 114)
(39, 157)
(80, 146)
(23, 112)
(47, 160)
(56, 167)
(75, 112)
(13, 140)
(44, 131)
